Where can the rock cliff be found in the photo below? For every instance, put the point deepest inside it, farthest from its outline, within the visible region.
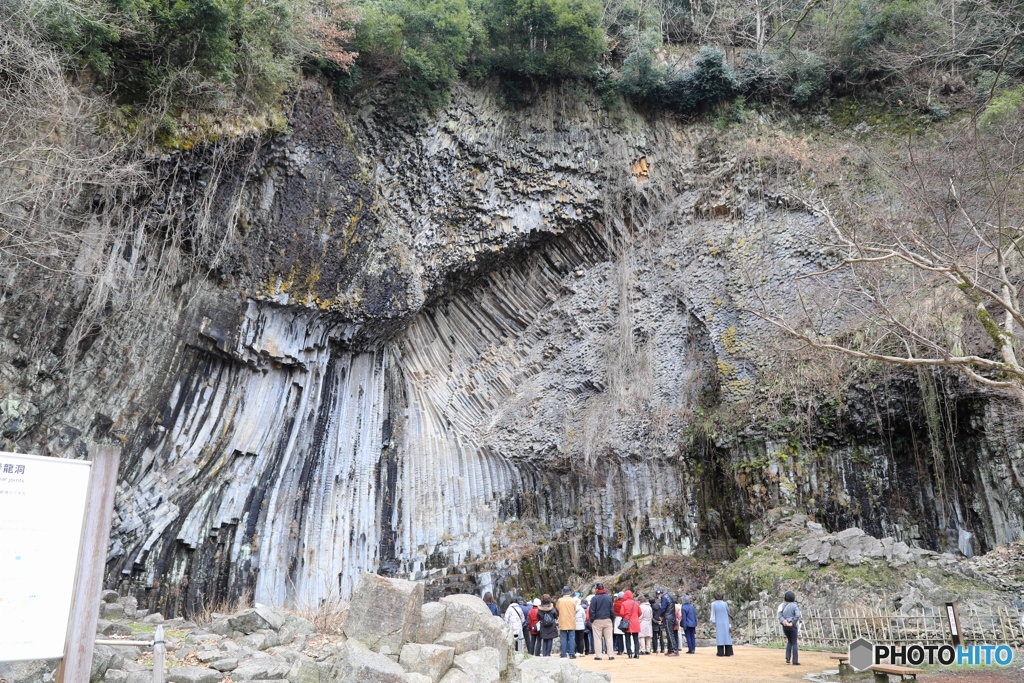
(489, 345)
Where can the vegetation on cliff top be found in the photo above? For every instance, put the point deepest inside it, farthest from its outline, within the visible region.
(681, 56)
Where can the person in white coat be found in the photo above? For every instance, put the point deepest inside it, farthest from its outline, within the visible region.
(722, 619)
(514, 617)
(646, 625)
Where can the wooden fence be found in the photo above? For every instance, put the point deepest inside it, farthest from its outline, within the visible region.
(834, 629)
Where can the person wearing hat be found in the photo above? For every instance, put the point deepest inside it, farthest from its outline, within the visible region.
(657, 623)
(688, 620)
(669, 622)
(533, 628)
(789, 617)
(566, 607)
(601, 615)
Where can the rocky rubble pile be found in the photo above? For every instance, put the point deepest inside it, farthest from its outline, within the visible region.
(388, 635)
(1004, 566)
(853, 546)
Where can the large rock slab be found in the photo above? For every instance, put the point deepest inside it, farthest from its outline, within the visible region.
(464, 613)
(481, 665)
(431, 623)
(358, 664)
(430, 660)
(257, 619)
(384, 614)
(456, 676)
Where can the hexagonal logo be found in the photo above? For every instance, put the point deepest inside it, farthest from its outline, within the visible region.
(862, 654)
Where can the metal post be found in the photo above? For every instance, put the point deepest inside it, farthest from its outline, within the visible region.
(76, 665)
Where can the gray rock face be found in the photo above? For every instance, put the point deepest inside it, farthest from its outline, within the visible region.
(468, 306)
(384, 613)
(432, 661)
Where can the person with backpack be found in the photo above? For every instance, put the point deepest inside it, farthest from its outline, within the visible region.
(789, 617)
(688, 620)
(629, 613)
(601, 615)
(547, 620)
(566, 608)
(645, 625)
(533, 629)
(515, 619)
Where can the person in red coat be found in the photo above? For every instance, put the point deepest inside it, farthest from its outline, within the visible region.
(533, 625)
(629, 610)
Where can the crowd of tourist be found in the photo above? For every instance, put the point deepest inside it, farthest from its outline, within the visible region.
(607, 625)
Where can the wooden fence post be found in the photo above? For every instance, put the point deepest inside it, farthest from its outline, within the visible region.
(76, 665)
(158, 655)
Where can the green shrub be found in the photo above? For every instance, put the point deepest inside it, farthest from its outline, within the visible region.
(640, 78)
(544, 38)
(695, 90)
(758, 76)
(808, 79)
(419, 45)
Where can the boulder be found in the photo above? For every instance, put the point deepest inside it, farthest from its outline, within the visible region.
(207, 656)
(462, 642)
(358, 664)
(257, 618)
(109, 628)
(497, 635)
(193, 674)
(464, 612)
(431, 623)
(140, 676)
(456, 676)
(541, 670)
(481, 664)
(225, 664)
(154, 618)
(131, 606)
(111, 610)
(304, 672)
(416, 678)
(108, 596)
(384, 613)
(259, 670)
(115, 676)
(430, 660)
(101, 656)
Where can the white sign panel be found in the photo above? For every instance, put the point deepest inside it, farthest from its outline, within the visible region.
(42, 502)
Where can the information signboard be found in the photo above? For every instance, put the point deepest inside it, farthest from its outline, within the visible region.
(42, 502)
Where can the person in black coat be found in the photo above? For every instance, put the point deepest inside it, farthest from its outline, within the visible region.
(548, 627)
(657, 625)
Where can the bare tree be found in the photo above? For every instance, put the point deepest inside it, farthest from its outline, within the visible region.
(929, 269)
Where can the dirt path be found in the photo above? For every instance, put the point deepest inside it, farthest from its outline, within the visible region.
(748, 665)
(757, 665)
